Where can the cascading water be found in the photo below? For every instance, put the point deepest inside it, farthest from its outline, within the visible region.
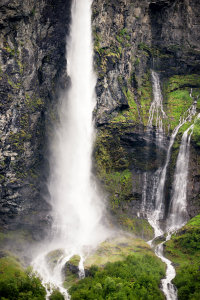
(178, 215)
(76, 205)
(155, 208)
(156, 105)
(159, 205)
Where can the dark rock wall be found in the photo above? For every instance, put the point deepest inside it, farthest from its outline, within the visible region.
(32, 70)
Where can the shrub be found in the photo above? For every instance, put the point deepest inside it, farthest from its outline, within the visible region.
(137, 277)
(56, 295)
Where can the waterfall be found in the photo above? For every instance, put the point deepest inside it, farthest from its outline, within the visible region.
(156, 105)
(77, 207)
(155, 208)
(74, 198)
(158, 212)
(178, 205)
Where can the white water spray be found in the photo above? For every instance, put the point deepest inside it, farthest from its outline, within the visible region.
(76, 204)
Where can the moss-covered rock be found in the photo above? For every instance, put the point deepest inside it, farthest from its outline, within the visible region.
(115, 249)
(53, 257)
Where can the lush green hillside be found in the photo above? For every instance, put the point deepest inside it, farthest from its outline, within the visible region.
(137, 277)
(184, 250)
(17, 284)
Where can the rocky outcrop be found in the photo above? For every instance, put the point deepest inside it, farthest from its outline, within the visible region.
(129, 36)
(32, 70)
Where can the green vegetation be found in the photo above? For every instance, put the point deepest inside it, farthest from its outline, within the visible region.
(56, 295)
(119, 185)
(146, 97)
(177, 97)
(137, 62)
(137, 277)
(111, 167)
(15, 284)
(53, 257)
(184, 250)
(128, 114)
(33, 11)
(153, 51)
(70, 275)
(139, 227)
(187, 281)
(178, 103)
(74, 260)
(196, 132)
(178, 82)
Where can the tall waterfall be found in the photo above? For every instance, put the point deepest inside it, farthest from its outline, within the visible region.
(76, 204)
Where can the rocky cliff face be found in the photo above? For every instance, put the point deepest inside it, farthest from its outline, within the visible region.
(130, 38)
(32, 70)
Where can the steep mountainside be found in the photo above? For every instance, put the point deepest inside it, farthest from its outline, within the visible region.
(130, 38)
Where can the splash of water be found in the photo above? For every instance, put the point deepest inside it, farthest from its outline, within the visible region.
(76, 205)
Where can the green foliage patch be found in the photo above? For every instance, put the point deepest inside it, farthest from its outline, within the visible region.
(56, 295)
(146, 97)
(140, 227)
(178, 103)
(184, 250)
(177, 98)
(188, 282)
(119, 185)
(196, 132)
(17, 285)
(178, 82)
(135, 278)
